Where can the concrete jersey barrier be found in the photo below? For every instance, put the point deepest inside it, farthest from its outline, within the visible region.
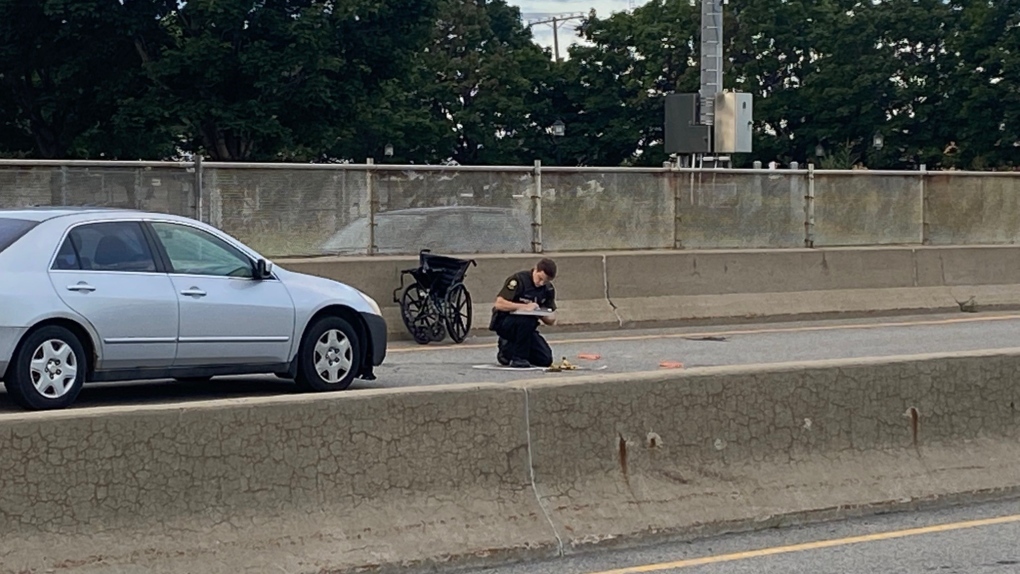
(646, 287)
(481, 473)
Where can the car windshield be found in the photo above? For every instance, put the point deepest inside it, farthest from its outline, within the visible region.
(11, 230)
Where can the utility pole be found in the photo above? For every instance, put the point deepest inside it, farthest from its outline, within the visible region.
(555, 21)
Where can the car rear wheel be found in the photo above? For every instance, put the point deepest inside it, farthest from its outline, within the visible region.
(330, 356)
(48, 370)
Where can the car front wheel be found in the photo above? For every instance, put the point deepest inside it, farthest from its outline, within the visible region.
(48, 370)
(330, 356)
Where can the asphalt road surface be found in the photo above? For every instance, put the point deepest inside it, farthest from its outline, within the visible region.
(979, 538)
(620, 351)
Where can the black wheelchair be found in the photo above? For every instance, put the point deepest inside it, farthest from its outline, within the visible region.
(437, 302)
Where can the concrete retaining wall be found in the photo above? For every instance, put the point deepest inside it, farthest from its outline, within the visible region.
(324, 483)
(644, 287)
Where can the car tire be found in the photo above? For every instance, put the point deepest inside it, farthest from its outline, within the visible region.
(38, 377)
(329, 358)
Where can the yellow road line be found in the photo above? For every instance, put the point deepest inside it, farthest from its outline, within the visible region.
(813, 545)
(621, 338)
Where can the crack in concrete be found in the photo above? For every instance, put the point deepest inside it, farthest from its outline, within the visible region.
(531, 473)
(609, 299)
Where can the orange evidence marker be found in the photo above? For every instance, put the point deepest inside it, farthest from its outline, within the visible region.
(671, 365)
(589, 356)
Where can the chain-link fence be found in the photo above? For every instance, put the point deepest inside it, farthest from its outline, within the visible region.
(863, 209)
(719, 209)
(166, 188)
(969, 208)
(587, 210)
(308, 210)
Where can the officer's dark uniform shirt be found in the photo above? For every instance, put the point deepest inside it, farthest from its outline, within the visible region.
(519, 288)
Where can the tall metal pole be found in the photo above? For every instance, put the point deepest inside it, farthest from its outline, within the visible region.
(711, 58)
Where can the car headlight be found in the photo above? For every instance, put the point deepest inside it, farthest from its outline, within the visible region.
(371, 303)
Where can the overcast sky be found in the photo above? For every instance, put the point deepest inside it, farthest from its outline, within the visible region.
(543, 33)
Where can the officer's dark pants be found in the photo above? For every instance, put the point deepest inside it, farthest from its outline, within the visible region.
(524, 340)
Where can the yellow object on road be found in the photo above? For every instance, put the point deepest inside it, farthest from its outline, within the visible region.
(564, 365)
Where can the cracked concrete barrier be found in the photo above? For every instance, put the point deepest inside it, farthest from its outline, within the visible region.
(283, 484)
(485, 473)
(620, 458)
(650, 287)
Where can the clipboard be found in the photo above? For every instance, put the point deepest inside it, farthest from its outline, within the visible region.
(535, 313)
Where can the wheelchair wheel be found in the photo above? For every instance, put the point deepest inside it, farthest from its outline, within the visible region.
(458, 312)
(417, 314)
(437, 332)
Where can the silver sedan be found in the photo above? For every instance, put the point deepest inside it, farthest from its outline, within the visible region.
(89, 294)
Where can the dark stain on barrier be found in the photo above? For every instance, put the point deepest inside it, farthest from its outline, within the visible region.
(1011, 407)
(623, 455)
(674, 476)
(914, 420)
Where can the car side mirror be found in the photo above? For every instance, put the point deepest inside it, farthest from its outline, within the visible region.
(263, 269)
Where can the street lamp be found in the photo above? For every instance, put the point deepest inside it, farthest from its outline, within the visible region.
(559, 128)
(878, 141)
(819, 150)
(388, 150)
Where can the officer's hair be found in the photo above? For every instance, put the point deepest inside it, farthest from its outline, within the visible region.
(547, 266)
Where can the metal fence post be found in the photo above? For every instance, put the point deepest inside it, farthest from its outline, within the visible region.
(536, 209)
(672, 176)
(373, 205)
(63, 185)
(809, 208)
(199, 192)
(925, 223)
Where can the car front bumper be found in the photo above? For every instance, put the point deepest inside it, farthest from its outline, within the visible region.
(9, 337)
(377, 334)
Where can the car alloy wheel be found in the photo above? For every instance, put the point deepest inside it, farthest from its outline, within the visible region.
(330, 356)
(48, 370)
(333, 356)
(53, 369)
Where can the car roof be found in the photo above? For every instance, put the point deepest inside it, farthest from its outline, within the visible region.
(45, 213)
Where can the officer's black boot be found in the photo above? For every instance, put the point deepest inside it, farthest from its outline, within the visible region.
(501, 353)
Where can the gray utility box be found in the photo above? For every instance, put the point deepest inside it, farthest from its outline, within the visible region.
(734, 123)
(683, 132)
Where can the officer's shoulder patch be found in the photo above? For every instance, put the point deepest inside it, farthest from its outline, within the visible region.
(512, 284)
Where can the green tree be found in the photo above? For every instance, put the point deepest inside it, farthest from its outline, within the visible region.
(474, 92)
(985, 130)
(278, 80)
(66, 67)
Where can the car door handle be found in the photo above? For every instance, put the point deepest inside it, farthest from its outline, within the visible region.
(81, 287)
(193, 292)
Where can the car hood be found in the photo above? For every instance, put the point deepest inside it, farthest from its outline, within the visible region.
(316, 292)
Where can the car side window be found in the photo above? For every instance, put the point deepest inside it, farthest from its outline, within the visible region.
(107, 246)
(195, 252)
(67, 257)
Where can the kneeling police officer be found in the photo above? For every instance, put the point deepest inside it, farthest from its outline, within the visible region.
(520, 344)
